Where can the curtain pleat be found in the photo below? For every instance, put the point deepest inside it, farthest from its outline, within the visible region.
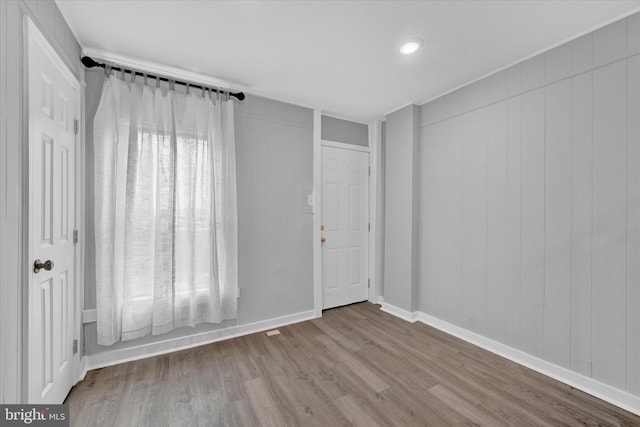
(165, 211)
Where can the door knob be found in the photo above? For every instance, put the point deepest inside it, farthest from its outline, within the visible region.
(39, 265)
(322, 240)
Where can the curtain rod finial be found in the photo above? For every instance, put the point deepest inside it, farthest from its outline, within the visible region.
(89, 62)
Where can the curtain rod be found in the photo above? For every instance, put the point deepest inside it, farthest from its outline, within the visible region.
(92, 63)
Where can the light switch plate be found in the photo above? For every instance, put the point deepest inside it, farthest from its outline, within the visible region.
(307, 202)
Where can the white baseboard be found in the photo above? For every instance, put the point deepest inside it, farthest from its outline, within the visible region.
(82, 369)
(398, 312)
(615, 396)
(129, 354)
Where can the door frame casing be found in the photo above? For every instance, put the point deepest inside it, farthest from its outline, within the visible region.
(375, 211)
(35, 35)
(374, 135)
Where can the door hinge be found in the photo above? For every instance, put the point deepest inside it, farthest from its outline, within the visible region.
(75, 126)
(75, 236)
(369, 170)
(368, 283)
(369, 226)
(75, 346)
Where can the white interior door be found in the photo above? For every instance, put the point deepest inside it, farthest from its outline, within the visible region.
(345, 218)
(52, 194)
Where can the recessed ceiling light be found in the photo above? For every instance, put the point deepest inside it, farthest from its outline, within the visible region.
(411, 46)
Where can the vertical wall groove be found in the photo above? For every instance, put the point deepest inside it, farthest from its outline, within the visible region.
(3, 190)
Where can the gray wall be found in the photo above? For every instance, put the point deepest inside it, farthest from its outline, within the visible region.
(400, 201)
(14, 181)
(346, 131)
(274, 149)
(530, 206)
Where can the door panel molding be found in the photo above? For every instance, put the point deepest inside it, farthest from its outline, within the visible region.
(57, 95)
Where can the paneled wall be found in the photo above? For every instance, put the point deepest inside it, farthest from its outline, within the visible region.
(13, 178)
(530, 206)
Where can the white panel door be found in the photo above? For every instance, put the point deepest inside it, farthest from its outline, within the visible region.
(52, 177)
(345, 217)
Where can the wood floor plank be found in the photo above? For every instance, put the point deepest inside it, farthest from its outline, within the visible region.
(336, 335)
(243, 414)
(267, 411)
(366, 374)
(355, 413)
(470, 411)
(354, 366)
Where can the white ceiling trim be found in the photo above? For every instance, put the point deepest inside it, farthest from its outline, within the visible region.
(160, 69)
(405, 105)
(533, 55)
(326, 113)
(191, 77)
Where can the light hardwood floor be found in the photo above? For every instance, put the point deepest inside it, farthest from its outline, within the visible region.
(354, 366)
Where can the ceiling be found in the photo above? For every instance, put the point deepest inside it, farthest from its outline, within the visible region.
(340, 56)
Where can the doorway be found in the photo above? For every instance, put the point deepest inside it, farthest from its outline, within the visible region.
(54, 105)
(345, 225)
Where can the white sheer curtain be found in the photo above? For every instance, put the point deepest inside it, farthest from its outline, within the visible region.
(165, 210)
